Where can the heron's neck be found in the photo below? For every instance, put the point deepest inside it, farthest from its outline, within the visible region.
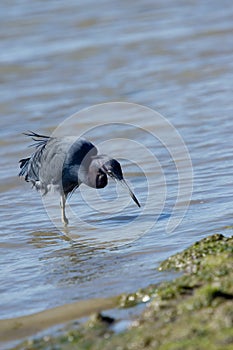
(81, 175)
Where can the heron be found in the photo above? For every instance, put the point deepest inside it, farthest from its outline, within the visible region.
(64, 163)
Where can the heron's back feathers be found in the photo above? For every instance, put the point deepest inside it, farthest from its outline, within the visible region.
(24, 167)
(30, 167)
(55, 162)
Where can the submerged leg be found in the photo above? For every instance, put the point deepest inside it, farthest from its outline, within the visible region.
(63, 214)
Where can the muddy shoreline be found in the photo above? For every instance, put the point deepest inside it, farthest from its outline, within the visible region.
(195, 310)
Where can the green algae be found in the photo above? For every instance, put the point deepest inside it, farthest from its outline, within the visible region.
(143, 295)
(194, 311)
(192, 257)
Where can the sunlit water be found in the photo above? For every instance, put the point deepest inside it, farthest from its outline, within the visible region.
(57, 58)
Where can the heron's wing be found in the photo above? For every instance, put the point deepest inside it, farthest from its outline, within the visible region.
(56, 162)
(60, 161)
(51, 161)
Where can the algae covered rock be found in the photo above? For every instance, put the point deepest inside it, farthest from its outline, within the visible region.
(191, 258)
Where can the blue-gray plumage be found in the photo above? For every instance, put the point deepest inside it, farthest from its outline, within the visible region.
(67, 162)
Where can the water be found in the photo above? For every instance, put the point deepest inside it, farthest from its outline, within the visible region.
(175, 57)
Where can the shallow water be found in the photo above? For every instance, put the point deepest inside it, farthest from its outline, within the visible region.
(174, 57)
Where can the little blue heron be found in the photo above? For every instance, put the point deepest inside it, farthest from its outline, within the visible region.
(65, 163)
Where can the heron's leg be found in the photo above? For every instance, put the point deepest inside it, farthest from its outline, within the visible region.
(63, 214)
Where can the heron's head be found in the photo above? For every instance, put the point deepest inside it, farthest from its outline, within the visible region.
(112, 168)
(101, 167)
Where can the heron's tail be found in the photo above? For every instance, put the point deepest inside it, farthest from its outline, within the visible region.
(24, 167)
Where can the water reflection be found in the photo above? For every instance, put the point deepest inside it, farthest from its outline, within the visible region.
(75, 264)
(43, 239)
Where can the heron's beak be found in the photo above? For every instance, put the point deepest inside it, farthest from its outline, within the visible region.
(132, 195)
(124, 184)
